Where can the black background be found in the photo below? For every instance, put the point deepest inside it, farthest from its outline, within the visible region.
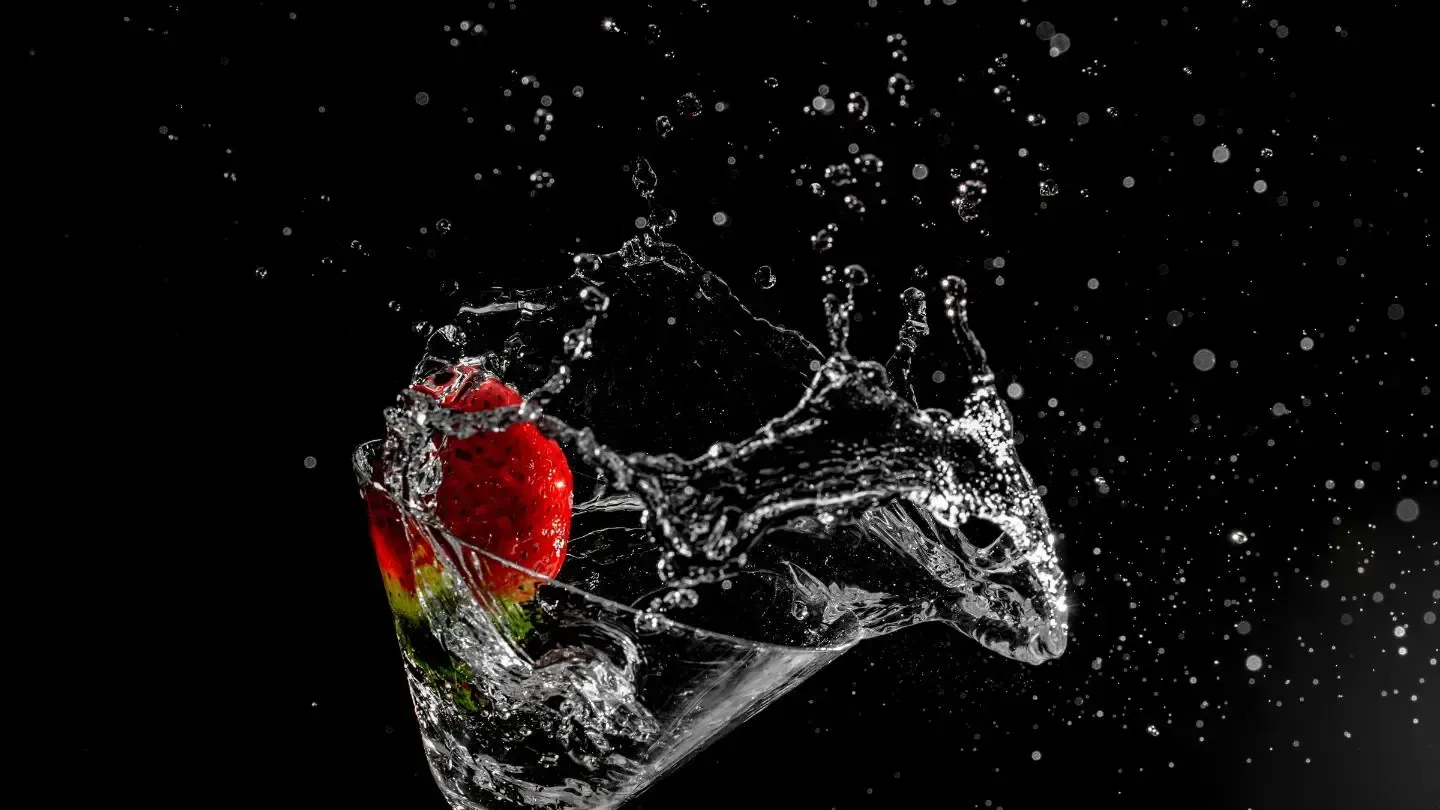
(222, 634)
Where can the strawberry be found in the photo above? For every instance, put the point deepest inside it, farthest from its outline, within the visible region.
(507, 493)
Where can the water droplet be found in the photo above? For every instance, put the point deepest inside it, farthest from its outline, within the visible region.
(593, 300)
(824, 239)
(644, 178)
(858, 105)
(682, 598)
(869, 164)
(839, 174)
(689, 105)
(587, 262)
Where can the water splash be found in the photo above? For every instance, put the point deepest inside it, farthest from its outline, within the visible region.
(927, 513)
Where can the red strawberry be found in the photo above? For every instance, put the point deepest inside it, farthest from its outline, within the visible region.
(507, 493)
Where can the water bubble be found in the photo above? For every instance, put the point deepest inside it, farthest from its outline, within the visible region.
(1238, 538)
(1407, 510)
(594, 300)
(1253, 663)
(1084, 359)
(1220, 154)
(1204, 360)
(765, 277)
(1049, 188)
(855, 276)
